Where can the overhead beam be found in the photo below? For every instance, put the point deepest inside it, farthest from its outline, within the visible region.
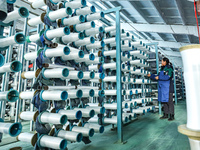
(26, 4)
(182, 14)
(158, 28)
(167, 43)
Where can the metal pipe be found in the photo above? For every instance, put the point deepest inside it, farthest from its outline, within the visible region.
(22, 12)
(87, 132)
(54, 118)
(47, 141)
(71, 114)
(70, 135)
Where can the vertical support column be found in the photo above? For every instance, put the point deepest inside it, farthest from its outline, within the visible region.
(157, 69)
(19, 77)
(182, 84)
(175, 85)
(119, 85)
(6, 77)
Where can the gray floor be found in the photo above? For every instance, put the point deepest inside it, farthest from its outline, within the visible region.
(147, 133)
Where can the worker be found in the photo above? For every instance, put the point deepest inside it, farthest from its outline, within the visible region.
(165, 88)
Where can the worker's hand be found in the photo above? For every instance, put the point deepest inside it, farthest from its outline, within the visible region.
(148, 75)
(156, 78)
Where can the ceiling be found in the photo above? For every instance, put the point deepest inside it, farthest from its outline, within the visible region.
(171, 23)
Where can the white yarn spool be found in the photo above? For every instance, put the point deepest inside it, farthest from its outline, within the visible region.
(191, 65)
(139, 81)
(75, 4)
(72, 37)
(14, 66)
(37, 20)
(74, 55)
(93, 67)
(94, 119)
(110, 28)
(73, 20)
(54, 118)
(88, 93)
(93, 104)
(56, 73)
(139, 100)
(84, 41)
(28, 115)
(87, 132)
(70, 136)
(60, 13)
(87, 57)
(109, 66)
(61, 87)
(74, 75)
(22, 12)
(38, 4)
(87, 87)
(137, 44)
(28, 75)
(13, 129)
(28, 137)
(30, 56)
(98, 110)
(96, 80)
(71, 114)
(53, 95)
(137, 71)
(113, 106)
(50, 34)
(97, 128)
(85, 10)
(95, 16)
(18, 38)
(56, 52)
(57, 66)
(96, 45)
(84, 26)
(26, 95)
(93, 31)
(52, 142)
(138, 111)
(110, 92)
(134, 91)
(33, 38)
(86, 112)
(109, 40)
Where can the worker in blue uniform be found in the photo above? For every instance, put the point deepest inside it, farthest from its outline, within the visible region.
(165, 88)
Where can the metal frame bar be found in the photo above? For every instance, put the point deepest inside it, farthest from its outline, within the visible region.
(175, 85)
(157, 66)
(118, 66)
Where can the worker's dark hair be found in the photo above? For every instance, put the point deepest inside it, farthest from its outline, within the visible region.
(166, 60)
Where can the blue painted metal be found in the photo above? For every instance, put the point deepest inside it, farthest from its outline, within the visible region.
(118, 65)
(175, 85)
(20, 79)
(113, 10)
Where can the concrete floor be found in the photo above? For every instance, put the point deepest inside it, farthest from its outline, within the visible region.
(147, 133)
